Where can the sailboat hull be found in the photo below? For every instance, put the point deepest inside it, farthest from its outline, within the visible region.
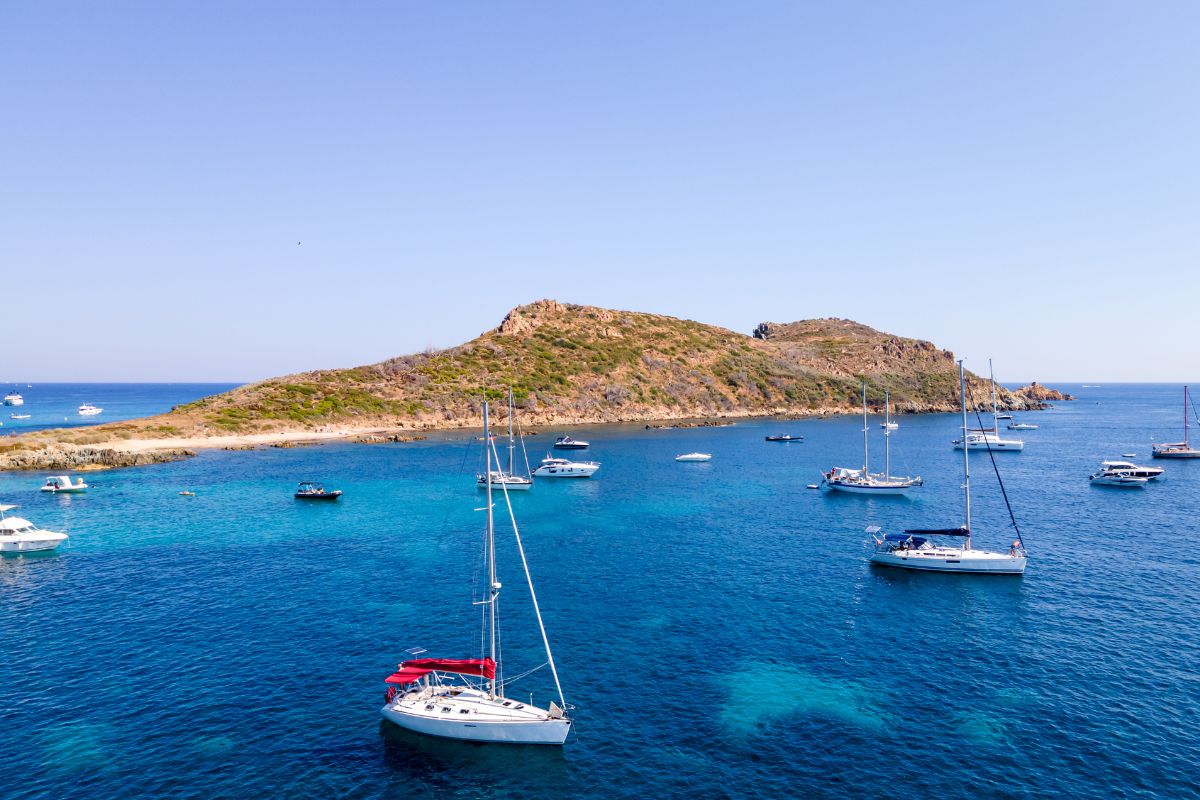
(984, 563)
(545, 731)
(858, 488)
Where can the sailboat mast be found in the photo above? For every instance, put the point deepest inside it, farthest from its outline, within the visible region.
(1186, 445)
(962, 401)
(510, 431)
(865, 458)
(995, 416)
(887, 434)
(493, 586)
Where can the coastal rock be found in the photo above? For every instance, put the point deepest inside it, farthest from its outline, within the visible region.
(69, 457)
(374, 438)
(1041, 394)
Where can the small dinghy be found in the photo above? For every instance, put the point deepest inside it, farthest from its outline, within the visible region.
(307, 490)
(694, 457)
(786, 437)
(62, 484)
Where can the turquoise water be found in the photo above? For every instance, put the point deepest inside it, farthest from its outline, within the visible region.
(717, 626)
(56, 405)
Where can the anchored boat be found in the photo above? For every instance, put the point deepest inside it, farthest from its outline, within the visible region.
(19, 535)
(511, 480)
(862, 481)
(1182, 449)
(436, 696)
(62, 484)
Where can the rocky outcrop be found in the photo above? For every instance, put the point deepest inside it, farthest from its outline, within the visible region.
(1041, 394)
(69, 457)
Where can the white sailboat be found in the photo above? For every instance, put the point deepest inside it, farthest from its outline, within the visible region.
(435, 696)
(989, 439)
(511, 480)
(1182, 449)
(862, 481)
(915, 549)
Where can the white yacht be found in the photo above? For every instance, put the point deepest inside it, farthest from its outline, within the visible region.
(19, 416)
(989, 438)
(552, 467)
(1182, 449)
(567, 443)
(509, 479)
(436, 696)
(19, 535)
(694, 457)
(1022, 426)
(1149, 473)
(919, 549)
(89, 410)
(13, 398)
(62, 484)
(1116, 477)
(862, 481)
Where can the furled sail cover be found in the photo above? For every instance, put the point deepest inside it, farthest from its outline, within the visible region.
(939, 531)
(482, 667)
(406, 675)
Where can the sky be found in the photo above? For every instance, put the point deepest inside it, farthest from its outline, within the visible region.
(231, 191)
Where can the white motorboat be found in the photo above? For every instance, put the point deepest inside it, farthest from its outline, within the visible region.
(89, 410)
(890, 426)
(1022, 426)
(567, 443)
(509, 479)
(62, 484)
(19, 416)
(989, 438)
(14, 399)
(1116, 477)
(436, 696)
(862, 481)
(552, 467)
(1182, 449)
(694, 457)
(19, 535)
(920, 549)
(1149, 473)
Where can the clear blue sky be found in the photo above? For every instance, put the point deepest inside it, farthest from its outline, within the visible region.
(1019, 180)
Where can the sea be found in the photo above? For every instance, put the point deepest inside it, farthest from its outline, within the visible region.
(717, 627)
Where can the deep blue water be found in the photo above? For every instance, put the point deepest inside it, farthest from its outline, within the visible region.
(717, 626)
(56, 405)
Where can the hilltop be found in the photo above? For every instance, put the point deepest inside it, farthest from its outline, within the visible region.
(567, 365)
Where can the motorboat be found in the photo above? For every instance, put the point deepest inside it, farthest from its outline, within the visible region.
(694, 457)
(307, 490)
(1022, 426)
(567, 443)
(89, 410)
(1182, 449)
(14, 399)
(62, 484)
(890, 426)
(509, 479)
(989, 438)
(19, 416)
(19, 535)
(1128, 467)
(552, 467)
(467, 698)
(948, 549)
(863, 481)
(785, 437)
(1116, 477)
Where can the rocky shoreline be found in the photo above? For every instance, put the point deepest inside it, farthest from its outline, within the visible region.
(83, 459)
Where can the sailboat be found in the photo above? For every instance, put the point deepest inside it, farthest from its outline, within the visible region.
(1182, 449)
(435, 696)
(513, 481)
(915, 548)
(989, 438)
(862, 481)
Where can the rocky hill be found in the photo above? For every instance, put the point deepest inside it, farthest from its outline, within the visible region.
(572, 364)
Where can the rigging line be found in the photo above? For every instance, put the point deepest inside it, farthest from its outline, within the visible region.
(532, 594)
(526, 673)
(996, 469)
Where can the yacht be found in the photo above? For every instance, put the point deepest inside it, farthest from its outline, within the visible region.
(552, 467)
(14, 399)
(510, 479)
(1117, 477)
(19, 416)
(948, 549)
(567, 443)
(19, 535)
(89, 410)
(862, 481)
(62, 484)
(1182, 449)
(1022, 426)
(694, 457)
(437, 696)
(1128, 467)
(989, 438)
(784, 437)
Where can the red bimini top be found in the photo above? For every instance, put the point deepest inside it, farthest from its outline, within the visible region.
(418, 668)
